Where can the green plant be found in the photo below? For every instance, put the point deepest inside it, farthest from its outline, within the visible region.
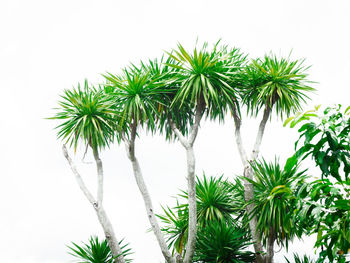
(275, 82)
(325, 205)
(96, 251)
(275, 199)
(219, 242)
(88, 115)
(299, 259)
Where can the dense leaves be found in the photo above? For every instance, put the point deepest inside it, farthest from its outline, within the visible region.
(96, 251)
(208, 77)
(275, 199)
(219, 235)
(90, 116)
(273, 81)
(325, 205)
(220, 242)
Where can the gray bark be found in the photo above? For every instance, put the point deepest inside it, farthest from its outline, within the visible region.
(248, 172)
(97, 204)
(130, 149)
(191, 181)
(270, 245)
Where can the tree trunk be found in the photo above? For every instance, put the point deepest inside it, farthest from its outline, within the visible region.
(130, 149)
(97, 204)
(109, 234)
(270, 245)
(192, 205)
(191, 180)
(248, 172)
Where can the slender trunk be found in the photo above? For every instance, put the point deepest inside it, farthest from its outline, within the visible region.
(99, 176)
(97, 204)
(270, 245)
(109, 234)
(130, 148)
(191, 180)
(248, 172)
(192, 205)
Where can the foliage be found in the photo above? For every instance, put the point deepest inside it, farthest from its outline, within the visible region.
(219, 242)
(325, 205)
(215, 211)
(89, 116)
(275, 81)
(96, 252)
(275, 199)
(139, 94)
(207, 77)
(214, 200)
(176, 227)
(299, 259)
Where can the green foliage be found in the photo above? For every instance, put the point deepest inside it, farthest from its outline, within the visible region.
(275, 82)
(325, 205)
(215, 212)
(275, 199)
(207, 77)
(299, 259)
(96, 252)
(176, 227)
(170, 79)
(89, 116)
(220, 242)
(139, 95)
(214, 200)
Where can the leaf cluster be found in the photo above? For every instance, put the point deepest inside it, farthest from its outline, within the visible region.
(96, 251)
(275, 194)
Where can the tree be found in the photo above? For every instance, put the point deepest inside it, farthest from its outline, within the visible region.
(275, 195)
(270, 83)
(89, 118)
(138, 94)
(324, 204)
(204, 81)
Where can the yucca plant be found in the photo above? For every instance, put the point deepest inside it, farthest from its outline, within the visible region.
(220, 242)
(274, 82)
(268, 84)
(139, 94)
(206, 83)
(96, 251)
(91, 118)
(214, 200)
(275, 200)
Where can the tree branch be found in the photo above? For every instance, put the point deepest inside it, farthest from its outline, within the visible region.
(99, 176)
(78, 178)
(130, 149)
(242, 152)
(195, 127)
(260, 134)
(178, 134)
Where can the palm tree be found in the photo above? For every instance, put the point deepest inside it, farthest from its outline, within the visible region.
(139, 94)
(97, 252)
(268, 84)
(275, 200)
(205, 83)
(89, 118)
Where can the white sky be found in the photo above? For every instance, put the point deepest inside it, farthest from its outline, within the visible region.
(48, 46)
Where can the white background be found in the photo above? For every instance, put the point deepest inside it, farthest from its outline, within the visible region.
(47, 46)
